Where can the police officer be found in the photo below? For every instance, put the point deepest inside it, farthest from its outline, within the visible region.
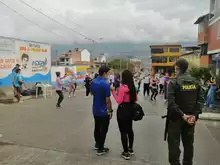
(185, 100)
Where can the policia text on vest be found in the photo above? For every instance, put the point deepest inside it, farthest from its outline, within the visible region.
(185, 97)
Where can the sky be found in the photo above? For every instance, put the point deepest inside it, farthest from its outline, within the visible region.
(102, 20)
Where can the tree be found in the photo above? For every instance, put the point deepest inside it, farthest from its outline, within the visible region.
(121, 64)
(201, 73)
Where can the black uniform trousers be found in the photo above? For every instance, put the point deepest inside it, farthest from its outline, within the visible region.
(177, 130)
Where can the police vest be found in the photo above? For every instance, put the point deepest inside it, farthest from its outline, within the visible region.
(186, 95)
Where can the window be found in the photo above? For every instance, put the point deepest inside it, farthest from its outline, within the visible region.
(165, 50)
(174, 50)
(172, 59)
(157, 50)
(201, 27)
(204, 49)
(159, 59)
(213, 5)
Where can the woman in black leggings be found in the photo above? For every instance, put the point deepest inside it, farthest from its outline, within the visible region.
(154, 88)
(125, 98)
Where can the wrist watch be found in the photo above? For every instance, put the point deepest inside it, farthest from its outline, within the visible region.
(110, 111)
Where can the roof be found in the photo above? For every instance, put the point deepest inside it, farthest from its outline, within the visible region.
(166, 45)
(200, 19)
(193, 47)
(195, 53)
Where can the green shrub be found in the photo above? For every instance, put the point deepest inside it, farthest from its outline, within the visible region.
(201, 73)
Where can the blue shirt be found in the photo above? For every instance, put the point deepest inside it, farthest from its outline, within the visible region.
(100, 89)
(17, 78)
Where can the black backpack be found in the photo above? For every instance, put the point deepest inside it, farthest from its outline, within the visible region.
(138, 112)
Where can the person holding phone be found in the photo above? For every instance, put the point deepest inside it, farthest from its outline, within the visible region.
(126, 96)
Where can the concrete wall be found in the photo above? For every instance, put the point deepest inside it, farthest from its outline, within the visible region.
(85, 55)
(213, 39)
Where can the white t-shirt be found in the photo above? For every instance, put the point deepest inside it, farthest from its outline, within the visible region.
(162, 79)
(147, 80)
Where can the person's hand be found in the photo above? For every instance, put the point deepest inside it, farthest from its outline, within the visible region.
(192, 120)
(189, 119)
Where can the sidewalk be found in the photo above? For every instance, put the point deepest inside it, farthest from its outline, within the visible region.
(210, 114)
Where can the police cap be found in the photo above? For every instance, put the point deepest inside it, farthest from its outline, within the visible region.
(182, 64)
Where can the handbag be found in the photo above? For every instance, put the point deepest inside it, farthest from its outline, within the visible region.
(138, 112)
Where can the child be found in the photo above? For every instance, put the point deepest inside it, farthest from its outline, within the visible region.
(59, 89)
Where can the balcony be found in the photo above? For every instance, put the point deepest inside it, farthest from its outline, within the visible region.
(166, 54)
(163, 64)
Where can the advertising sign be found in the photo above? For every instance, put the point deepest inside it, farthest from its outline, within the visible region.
(34, 59)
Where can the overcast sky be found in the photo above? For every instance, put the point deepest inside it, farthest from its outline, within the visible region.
(112, 20)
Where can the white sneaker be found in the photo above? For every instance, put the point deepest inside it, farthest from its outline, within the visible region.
(20, 101)
(69, 96)
(1, 135)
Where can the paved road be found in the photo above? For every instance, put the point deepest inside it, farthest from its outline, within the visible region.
(36, 133)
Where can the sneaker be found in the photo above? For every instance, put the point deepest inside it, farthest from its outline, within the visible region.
(20, 101)
(102, 152)
(58, 106)
(1, 135)
(69, 96)
(131, 151)
(125, 155)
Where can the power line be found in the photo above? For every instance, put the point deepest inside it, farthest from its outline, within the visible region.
(28, 19)
(57, 21)
(54, 10)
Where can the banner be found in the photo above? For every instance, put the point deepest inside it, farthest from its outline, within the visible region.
(34, 59)
(81, 72)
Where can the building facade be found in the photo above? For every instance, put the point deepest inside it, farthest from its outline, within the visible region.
(209, 36)
(74, 56)
(163, 57)
(192, 55)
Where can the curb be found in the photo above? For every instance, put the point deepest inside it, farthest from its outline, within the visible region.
(210, 116)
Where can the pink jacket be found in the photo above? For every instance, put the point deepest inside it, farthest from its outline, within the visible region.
(123, 95)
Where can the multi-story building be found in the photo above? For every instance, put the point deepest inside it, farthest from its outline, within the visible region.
(192, 55)
(209, 35)
(74, 56)
(163, 57)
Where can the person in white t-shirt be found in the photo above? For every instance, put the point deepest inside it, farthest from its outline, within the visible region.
(146, 82)
(161, 84)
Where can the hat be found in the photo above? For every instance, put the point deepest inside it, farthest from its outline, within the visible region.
(103, 69)
(182, 64)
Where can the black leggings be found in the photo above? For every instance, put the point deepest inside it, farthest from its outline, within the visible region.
(87, 90)
(147, 89)
(154, 93)
(127, 134)
(161, 89)
(125, 124)
(61, 97)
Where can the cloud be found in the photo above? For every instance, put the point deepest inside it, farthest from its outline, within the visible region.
(115, 20)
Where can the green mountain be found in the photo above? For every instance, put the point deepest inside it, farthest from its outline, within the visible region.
(114, 50)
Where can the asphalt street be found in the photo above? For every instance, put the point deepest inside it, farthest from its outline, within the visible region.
(36, 133)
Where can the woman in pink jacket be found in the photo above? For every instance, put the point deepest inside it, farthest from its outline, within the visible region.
(126, 96)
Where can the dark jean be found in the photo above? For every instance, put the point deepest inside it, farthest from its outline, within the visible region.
(101, 129)
(60, 98)
(177, 130)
